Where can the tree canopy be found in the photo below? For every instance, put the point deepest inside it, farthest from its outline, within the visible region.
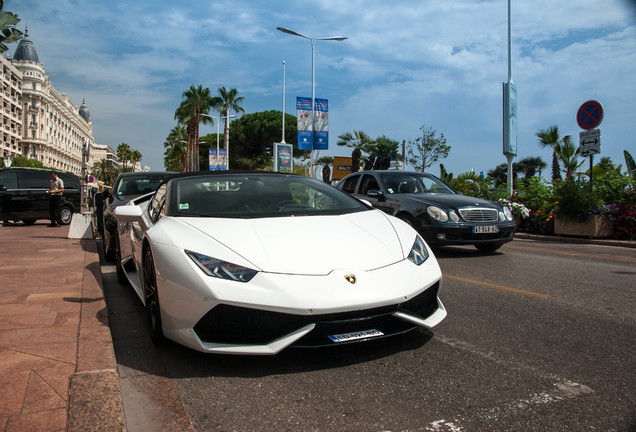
(427, 149)
(252, 138)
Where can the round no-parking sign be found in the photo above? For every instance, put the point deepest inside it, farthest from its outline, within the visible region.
(590, 115)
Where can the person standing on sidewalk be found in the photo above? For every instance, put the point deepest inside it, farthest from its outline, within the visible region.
(56, 187)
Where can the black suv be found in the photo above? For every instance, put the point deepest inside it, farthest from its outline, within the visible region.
(23, 195)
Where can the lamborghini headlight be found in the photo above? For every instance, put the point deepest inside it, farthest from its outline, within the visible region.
(418, 253)
(222, 269)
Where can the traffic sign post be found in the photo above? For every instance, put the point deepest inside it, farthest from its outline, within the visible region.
(590, 142)
(589, 117)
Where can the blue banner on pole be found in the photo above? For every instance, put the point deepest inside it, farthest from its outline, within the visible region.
(321, 124)
(303, 117)
(217, 163)
(316, 138)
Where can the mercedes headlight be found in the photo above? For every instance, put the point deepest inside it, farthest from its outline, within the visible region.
(508, 213)
(222, 269)
(437, 213)
(418, 253)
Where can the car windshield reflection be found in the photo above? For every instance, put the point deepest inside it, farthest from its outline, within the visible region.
(407, 183)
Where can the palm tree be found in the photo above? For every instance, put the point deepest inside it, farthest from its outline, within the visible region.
(123, 153)
(531, 165)
(176, 149)
(325, 161)
(104, 170)
(568, 154)
(196, 101)
(8, 32)
(382, 151)
(360, 142)
(550, 138)
(499, 174)
(228, 100)
(135, 157)
(174, 158)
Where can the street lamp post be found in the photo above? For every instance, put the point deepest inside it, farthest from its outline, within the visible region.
(313, 81)
(227, 151)
(283, 137)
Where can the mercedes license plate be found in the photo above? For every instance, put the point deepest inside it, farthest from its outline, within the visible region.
(364, 334)
(486, 229)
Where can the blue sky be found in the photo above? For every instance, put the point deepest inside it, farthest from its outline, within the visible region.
(405, 64)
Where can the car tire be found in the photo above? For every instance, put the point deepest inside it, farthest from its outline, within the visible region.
(153, 311)
(110, 254)
(488, 247)
(121, 275)
(66, 215)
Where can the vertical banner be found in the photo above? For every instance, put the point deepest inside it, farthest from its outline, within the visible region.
(303, 116)
(321, 124)
(510, 119)
(283, 157)
(217, 163)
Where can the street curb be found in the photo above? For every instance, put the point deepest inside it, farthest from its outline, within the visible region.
(581, 240)
(95, 400)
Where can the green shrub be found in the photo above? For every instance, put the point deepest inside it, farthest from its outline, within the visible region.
(574, 198)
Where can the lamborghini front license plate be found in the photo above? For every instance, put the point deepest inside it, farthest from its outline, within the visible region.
(364, 334)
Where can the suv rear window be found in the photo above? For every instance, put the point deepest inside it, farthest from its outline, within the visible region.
(69, 180)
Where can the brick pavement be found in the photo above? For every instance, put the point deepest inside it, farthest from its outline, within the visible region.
(57, 364)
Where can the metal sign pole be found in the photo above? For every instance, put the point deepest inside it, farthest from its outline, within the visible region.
(591, 170)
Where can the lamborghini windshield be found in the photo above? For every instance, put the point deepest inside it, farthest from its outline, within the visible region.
(257, 195)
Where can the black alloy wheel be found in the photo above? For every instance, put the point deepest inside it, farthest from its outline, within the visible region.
(153, 311)
(66, 215)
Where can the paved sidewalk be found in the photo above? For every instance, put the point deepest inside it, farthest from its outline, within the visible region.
(57, 364)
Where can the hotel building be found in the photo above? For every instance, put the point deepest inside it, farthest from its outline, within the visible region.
(38, 122)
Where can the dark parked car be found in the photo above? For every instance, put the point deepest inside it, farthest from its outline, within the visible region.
(23, 195)
(127, 186)
(441, 215)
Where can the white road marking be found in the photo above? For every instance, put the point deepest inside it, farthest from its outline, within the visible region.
(562, 389)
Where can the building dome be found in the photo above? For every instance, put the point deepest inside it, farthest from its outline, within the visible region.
(84, 112)
(26, 50)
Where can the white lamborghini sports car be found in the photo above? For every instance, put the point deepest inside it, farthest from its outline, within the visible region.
(252, 263)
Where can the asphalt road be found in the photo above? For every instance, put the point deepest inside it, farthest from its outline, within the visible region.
(539, 337)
